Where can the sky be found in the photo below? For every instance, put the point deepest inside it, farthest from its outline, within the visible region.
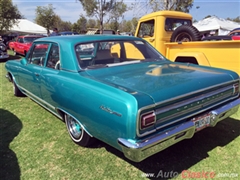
(70, 10)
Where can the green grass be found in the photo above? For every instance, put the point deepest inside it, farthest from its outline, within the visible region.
(35, 145)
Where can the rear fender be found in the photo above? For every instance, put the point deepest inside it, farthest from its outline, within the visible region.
(190, 57)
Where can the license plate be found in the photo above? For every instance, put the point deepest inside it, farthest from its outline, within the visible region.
(202, 122)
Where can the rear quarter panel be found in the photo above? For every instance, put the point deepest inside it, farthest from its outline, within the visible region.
(106, 112)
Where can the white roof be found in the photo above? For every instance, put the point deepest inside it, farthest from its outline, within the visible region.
(215, 23)
(26, 26)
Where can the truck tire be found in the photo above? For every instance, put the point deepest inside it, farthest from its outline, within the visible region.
(185, 33)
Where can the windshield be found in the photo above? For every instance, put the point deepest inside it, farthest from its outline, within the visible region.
(112, 53)
(29, 39)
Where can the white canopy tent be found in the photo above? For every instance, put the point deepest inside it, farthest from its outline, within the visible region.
(26, 26)
(214, 23)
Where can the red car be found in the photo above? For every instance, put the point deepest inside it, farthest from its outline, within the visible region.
(23, 43)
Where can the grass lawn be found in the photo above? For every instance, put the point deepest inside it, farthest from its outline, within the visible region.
(34, 144)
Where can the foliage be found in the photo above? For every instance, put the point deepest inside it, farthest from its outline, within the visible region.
(62, 25)
(117, 12)
(208, 16)
(91, 23)
(81, 25)
(237, 19)
(176, 5)
(46, 17)
(8, 15)
(102, 8)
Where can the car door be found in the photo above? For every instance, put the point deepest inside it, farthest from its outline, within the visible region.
(50, 84)
(30, 75)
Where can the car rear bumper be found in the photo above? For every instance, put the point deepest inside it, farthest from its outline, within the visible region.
(138, 151)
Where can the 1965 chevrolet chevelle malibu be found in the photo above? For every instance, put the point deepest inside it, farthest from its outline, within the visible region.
(122, 91)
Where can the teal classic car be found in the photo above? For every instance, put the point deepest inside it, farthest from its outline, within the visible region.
(122, 91)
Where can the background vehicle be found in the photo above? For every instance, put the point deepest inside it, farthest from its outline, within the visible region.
(97, 31)
(23, 43)
(234, 32)
(66, 33)
(220, 38)
(3, 51)
(140, 103)
(170, 32)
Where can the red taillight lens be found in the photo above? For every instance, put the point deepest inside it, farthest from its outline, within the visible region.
(147, 119)
(235, 89)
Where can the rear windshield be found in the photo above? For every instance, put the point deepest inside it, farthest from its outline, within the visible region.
(112, 53)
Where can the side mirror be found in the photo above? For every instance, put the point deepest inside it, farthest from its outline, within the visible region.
(23, 61)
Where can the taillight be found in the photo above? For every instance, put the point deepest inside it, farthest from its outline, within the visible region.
(147, 119)
(236, 89)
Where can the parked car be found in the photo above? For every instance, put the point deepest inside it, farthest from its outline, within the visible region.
(122, 91)
(220, 38)
(234, 32)
(3, 51)
(22, 44)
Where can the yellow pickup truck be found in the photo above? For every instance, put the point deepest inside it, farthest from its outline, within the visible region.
(173, 34)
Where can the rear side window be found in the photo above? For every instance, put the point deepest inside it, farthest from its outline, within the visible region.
(171, 23)
(53, 58)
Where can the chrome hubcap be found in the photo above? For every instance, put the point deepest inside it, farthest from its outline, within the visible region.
(74, 127)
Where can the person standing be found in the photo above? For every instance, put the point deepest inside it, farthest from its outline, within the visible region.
(118, 32)
(55, 32)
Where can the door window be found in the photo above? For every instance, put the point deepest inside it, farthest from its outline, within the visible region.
(146, 29)
(38, 54)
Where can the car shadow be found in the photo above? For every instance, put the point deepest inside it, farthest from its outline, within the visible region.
(186, 153)
(10, 126)
(11, 58)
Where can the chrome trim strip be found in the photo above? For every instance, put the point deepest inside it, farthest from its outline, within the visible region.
(188, 110)
(189, 94)
(192, 100)
(40, 102)
(140, 150)
(36, 97)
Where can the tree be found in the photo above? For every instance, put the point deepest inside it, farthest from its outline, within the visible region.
(9, 14)
(176, 5)
(62, 25)
(237, 19)
(46, 17)
(81, 25)
(99, 8)
(116, 13)
(91, 23)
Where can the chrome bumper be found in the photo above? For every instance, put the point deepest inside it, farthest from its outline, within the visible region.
(140, 150)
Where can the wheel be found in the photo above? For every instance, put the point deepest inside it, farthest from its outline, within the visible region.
(185, 33)
(76, 132)
(16, 91)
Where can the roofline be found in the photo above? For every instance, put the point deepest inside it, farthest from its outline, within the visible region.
(176, 14)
